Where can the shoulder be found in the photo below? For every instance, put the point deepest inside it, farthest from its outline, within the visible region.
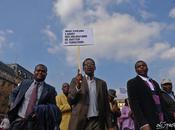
(60, 95)
(134, 83)
(25, 81)
(48, 86)
(98, 79)
(74, 79)
(164, 94)
(100, 82)
(155, 82)
(133, 80)
(156, 85)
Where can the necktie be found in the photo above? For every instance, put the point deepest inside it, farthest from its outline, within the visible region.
(32, 100)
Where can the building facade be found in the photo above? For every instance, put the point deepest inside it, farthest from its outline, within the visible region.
(10, 76)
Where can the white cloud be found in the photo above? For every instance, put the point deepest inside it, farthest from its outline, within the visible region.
(9, 31)
(53, 42)
(172, 13)
(4, 38)
(73, 13)
(66, 8)
(116, 36)
(2, 41)
(52, 37)
(145, 14)
(171, 72)
(121, 1)
(169, 53)
(121, 37)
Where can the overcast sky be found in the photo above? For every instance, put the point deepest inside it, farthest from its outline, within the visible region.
(124, 31)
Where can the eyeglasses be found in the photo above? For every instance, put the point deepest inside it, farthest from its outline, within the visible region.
(92, 64)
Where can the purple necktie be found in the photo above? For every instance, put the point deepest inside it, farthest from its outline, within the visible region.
(32, 100)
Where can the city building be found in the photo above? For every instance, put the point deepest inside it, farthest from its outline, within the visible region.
(20, 72)
(10, 76)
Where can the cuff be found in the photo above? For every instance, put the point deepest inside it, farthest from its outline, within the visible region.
(144, 126)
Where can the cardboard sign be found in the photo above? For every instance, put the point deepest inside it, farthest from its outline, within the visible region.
(77, 37)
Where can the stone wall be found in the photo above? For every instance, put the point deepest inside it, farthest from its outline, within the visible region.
(9, 78)
(5, 90)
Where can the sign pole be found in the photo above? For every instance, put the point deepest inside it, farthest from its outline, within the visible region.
(78, 59)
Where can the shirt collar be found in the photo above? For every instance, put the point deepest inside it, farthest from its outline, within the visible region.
(39, 83)
(88, 78)
(144, 78)
(172, 93)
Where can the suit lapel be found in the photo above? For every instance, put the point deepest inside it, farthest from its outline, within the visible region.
(85, 89)
(85, 84)
(28, 84)
(145, 86)
(24, 87)
(98, 84)
(43, 93)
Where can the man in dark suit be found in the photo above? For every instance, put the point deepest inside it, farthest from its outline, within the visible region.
(88, 97)
(145, 100)
(28, 95)
(169, 97)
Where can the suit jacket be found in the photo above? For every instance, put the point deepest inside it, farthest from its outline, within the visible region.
(170, 104)
(80, 102)
(62, 103)
(142, 103)
(17, 96)
(48, 117)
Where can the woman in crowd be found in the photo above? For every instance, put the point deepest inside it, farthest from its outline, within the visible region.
(126, 118)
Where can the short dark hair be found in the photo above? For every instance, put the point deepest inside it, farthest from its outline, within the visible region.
(88, 59)
(65, 84)
(139, 62)
(42, 66)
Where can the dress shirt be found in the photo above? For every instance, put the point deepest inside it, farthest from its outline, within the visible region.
(92, 110)
(23, 107)
(147, 80)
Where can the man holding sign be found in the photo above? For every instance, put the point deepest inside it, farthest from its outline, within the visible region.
(88, 97)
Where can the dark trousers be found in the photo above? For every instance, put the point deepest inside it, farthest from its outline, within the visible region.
(93, 124)
(24, 124)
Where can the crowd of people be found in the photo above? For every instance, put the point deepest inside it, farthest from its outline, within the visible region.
(88, 104)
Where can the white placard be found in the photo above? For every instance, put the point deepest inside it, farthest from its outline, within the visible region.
(77, 37)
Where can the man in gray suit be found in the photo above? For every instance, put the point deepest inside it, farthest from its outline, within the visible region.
(28, 95)
(169, 97)
(88, 97)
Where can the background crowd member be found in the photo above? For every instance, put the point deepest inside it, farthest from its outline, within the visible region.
(89, 97)
(62, 103)
(30, 94)
(126, 118)
(5, 123)
(169, 97)
(145, 100)
(115, 110)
